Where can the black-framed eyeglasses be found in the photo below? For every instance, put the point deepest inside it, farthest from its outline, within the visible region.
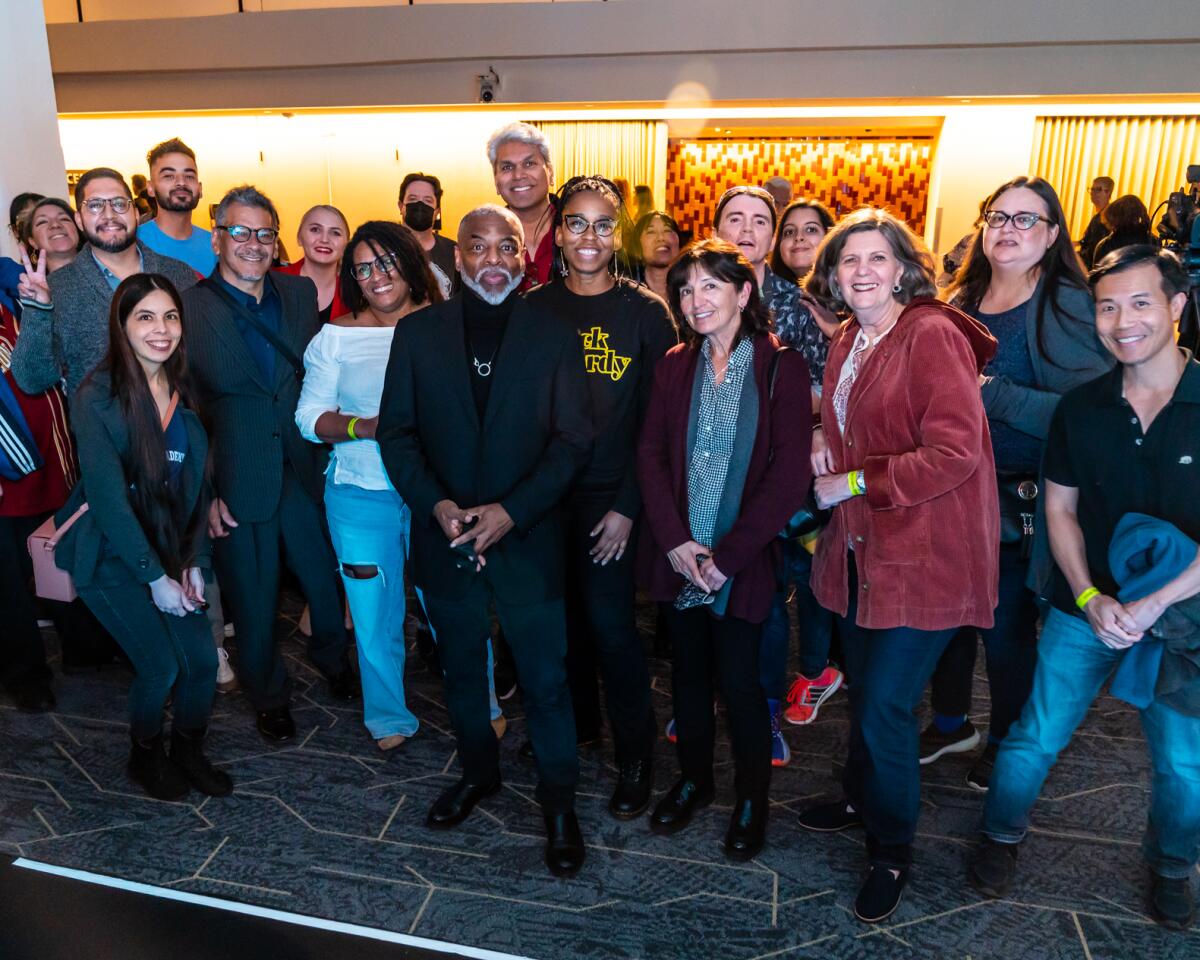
(1022, 221)
(578, 225)
(95, 206)
(240, 234)
(384, 264)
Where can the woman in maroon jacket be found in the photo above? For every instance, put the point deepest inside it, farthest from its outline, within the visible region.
(910, 554)
(723, 463)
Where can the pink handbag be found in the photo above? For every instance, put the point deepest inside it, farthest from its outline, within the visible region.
(50, 582)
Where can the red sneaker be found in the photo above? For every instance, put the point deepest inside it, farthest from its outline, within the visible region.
(806, 696)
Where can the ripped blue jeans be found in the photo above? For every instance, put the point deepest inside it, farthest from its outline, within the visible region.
(369, 529)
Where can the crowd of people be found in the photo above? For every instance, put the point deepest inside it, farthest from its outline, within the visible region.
(509, 432)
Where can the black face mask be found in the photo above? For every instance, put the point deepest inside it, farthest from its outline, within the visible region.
(418, 216)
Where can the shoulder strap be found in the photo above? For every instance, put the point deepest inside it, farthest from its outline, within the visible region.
(773, 371)
(166, 417)
(267, 334)
(67, 525)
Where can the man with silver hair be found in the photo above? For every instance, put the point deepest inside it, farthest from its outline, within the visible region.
(484, 423)
(524, 174)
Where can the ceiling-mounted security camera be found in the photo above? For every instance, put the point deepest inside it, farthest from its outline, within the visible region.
(488, 84)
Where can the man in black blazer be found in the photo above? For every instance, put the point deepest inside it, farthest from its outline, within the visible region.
(247, 330)
(483, 425)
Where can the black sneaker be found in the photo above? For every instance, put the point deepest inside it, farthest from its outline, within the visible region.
(992, 868)
(935, 744)
(980, 774)
(830, 817)
(880, 894)
(1171, 901)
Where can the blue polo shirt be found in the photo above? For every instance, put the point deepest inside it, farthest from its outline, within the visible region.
(196, 251)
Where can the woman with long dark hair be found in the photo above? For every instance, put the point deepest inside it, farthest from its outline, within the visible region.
(723, 464)
(1023, 281)
(139, 552)
(49, 231)
(656, 239)
(1128, 223)
(802, 226)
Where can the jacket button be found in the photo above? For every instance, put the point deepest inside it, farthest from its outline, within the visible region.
(865, 586)
(849, 443)
(859, 540)
(143, 564)
(275, 435)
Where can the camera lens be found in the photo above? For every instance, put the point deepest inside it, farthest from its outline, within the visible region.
(486, 95)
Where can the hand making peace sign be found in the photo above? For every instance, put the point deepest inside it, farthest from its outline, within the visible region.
(33, 285)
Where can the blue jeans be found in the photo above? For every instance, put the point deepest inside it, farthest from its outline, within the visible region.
(1072, 666)
(369, 528)
(816, 626)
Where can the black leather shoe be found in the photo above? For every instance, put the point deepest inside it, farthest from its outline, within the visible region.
(674, 811)
(632, 794)
(992, 868)
(187, 753)
(1172, 903)
(747, 829)
(564, 844)
(345, 686)
(455, 804)
(276, 724)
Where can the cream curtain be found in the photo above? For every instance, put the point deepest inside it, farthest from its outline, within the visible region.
(633, 149)
(1146, 156)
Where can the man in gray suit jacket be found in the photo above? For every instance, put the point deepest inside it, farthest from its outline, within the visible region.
(64, 323)
(247, 330)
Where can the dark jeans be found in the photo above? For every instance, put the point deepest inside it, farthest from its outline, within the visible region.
(248, 568)
(602, 632)
(727, 648)
(537, 636)
(1011, 647)
(816, 626)
(168, 653)
(887, 672)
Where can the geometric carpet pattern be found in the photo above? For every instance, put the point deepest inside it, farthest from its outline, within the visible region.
(327, 826)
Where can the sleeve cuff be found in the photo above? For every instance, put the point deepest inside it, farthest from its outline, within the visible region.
(879, 483)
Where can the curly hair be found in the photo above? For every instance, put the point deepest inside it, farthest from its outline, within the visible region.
(396, 241)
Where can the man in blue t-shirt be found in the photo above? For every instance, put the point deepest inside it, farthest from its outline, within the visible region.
(177, 188)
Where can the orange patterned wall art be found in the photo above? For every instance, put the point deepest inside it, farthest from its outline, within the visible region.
(842, 174)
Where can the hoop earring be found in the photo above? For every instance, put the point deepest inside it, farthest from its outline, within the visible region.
(896, 288)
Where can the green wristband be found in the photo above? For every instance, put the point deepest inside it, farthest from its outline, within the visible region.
(1084, 598)
(350, 428)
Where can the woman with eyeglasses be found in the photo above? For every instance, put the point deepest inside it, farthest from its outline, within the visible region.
(322, 236)
(1022, 280)
(625, 330)
(385, 277)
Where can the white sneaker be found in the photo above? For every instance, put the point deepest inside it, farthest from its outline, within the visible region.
(226, 678)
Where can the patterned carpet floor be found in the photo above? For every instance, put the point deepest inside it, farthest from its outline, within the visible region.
(327, 826)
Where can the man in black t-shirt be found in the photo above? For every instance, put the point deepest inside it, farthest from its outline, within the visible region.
(1125, 443)
(1101, 192)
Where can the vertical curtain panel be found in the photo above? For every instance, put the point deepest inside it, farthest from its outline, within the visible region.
(632, 149)
(1146, 156)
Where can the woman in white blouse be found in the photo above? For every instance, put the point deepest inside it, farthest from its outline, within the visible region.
(384, 278)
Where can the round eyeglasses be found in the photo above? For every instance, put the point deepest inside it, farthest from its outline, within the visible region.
(96, 205)
(384, 264)
(578, 225)
(240, 234)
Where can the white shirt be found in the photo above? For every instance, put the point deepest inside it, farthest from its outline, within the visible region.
(344, 369)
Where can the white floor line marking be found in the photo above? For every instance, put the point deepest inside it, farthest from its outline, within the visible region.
(283, 916)
(1087, 952)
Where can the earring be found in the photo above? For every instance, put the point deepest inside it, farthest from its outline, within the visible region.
(896, 288)
(563, 268)
(833, 289)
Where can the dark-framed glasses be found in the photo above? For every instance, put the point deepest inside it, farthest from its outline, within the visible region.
(1022, 221)
(240, 234)
(95, 206)
(578, 225)
(384, 264)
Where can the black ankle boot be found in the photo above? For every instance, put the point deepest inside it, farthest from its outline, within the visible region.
(188, 756)
(150, 768)
(747, 828)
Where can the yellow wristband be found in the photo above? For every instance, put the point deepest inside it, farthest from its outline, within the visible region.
(856, 489)
(1082, 600)
(350, 428)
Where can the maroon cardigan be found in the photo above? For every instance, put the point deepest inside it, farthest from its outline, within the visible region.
(927, 534)
(776, 485)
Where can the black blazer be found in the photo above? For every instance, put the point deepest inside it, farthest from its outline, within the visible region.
(535, 436)
(252, 422)
(107, 545)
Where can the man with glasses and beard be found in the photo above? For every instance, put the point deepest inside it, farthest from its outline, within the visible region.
(64, 321)
(176, 188)
(248, 327)
(484, 423)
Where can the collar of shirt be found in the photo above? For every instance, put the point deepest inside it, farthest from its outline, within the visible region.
(244, 298)
(1186, 391)
(111, 278)
(740, 357)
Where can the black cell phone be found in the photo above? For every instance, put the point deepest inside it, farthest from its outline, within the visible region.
(466, 551)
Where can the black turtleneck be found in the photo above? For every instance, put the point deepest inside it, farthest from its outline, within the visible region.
(484, 328)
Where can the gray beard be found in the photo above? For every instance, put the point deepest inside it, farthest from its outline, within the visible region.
(496, 298)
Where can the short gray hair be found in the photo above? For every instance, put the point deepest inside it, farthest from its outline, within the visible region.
(518, 132)
(493, 210)
(247, 196)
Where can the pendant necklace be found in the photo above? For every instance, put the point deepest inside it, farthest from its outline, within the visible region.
(484, 367)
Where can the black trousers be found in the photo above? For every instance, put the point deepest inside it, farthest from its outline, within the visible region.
(726, 648)
(602, 632)
(537, 636)
(248, 566)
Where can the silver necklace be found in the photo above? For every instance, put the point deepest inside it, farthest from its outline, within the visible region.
(484, 367)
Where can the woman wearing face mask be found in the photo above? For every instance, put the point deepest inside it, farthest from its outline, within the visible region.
(322, 237)
(421, 210)
(139, 553)
(385, 278)
(50, 231)
(625, 330)
(655, 241)
(909, 555)
(722, 462)
(1023, 280)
